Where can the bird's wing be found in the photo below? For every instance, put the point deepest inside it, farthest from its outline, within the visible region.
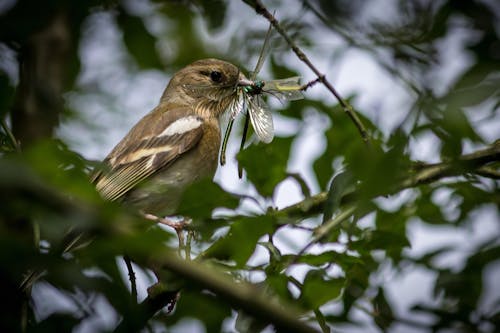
(149, 147)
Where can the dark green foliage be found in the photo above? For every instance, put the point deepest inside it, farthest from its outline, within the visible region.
(265, 176)
(317, 290)
(239, 244)
(199, 200)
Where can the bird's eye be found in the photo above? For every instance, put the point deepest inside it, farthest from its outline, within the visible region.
(216, 76)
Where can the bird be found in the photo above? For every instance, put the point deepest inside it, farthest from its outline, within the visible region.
(175, 144)
(170, 148)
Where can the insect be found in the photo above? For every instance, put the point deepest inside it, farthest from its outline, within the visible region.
(257, 112)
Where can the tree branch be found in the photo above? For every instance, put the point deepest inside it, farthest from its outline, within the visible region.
(475, 162)
(42, 69)
(131, 277)
(240, 295)
(262, 10)
(145, 311)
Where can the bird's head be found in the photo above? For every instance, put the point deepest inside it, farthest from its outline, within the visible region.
(206, 81)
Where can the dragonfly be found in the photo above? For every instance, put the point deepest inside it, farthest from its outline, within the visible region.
(250, 99)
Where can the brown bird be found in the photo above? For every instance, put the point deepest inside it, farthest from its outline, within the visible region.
(176, 143)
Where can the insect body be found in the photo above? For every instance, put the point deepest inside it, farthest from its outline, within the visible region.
(260, 115)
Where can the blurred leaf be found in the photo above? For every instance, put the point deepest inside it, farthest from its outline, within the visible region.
(278, 284)
(390, 234)
(387, 168)
(357, 276)
(384, 316)
(451, 282)
(317, 289)
(247, 324)
(426, 209)
(344, 260)
(430, 258)
(306, 191)
(343, 142)
(467, 93)
(341, 184)
(266, 176)
(62, 168)
(201, 198)
(183, 35)
(139, 42)
(281, 71)
(239, 244)
(214, 12)
(213, 310)
(471, 197)
(275, 258)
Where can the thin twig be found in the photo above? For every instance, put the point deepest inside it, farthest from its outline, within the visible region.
(131, 277)
(324, 230)
(15, 144)
(262, 10)
(311, 83)
(488, 172)
(190, 235)
(320, 318)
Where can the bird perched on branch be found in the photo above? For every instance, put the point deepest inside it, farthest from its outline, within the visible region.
(176, 143)
(171, 147)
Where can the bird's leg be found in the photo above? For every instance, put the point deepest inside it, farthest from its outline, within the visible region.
(178, 226)
(190, 236)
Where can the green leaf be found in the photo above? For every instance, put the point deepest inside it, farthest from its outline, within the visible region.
(385, 169)
(201, 198)
(317, 289)
(426, 209)
(329, 257)
(390, 234)
(279, 286)
(471, 197)
(214, 12)
(265, 165)
(383, 314)
(341, 183)
(342, 140)
(62, 168)
(239, 243)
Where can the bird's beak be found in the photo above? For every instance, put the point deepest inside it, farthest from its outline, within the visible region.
(243, 81)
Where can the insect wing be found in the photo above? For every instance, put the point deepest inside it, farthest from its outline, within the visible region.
(261, 119)
(287, 89)
(237, 104)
